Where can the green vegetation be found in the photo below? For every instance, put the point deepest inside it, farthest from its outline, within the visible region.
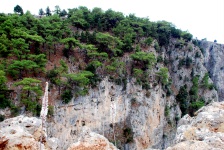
(163, 75)
(94, 44)
(182, 98)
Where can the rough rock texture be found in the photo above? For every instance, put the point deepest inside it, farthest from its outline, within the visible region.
(214, 56)
(21, 133)
(186, 62)
(92, 141)
(110, 110)
(205, 131)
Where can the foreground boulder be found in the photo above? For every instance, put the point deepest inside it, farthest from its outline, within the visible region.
(205, 131)
(92, 141)
(22, 132)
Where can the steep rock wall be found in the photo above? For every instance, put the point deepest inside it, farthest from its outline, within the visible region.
(213, 61)
(185, 62)
(110, 110)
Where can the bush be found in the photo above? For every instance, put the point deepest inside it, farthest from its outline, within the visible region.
(14, 110)
(159, 59)
(194, 106)
(167, 111)
(182, 97)
(32, 106)
(128, 134)
(66, 96)
(156, 46)
(4, 101)
(52, 75)
(187, 36)
(50, 110)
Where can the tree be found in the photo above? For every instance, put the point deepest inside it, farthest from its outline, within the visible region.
(48, 11)
(18, 10)
(20, 48)
(182, 97)
(80, 79)
(187, 36)
(17, 67)
(57, 10)
(41, 12)
(146, 60)
(4, 101)
(30, 93)
(70, 43)
(63, 13)
(163, 75)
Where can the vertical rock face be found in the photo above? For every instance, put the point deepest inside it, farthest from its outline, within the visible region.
(204, 131)
(132, 117)
(185, 63)
(214, 56)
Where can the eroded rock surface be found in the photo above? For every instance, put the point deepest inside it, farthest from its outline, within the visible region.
(92, 141)
(205, 131)
(213, 61)
(21, 133)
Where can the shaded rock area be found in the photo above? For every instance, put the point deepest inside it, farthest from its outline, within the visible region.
(205, 131)
(92, 141)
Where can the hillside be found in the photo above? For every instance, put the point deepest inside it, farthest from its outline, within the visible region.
(124, 77)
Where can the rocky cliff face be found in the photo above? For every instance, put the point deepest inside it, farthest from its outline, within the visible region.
(205, 131)
(213, 61)
(186, 62)
(132, 118)
(129, 116)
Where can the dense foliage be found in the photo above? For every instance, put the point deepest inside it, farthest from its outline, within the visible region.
(95, 41)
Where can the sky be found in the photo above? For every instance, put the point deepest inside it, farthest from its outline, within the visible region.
(202, 18)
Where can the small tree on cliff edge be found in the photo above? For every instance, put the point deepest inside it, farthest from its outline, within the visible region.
(18, 9)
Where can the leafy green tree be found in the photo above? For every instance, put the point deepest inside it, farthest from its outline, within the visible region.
(70, 43)
(80, 79)
(5, 45)
(4, 100)
(16, 68)
(194, 89)
(182, 98)
(148, 41)
(137, 73)
(109, 44)
(147, 60)
(30, 86)
(18, 9)
(187, 36)
(57, 10)
(20, 48)
(111, 18)
(48, 11)
(41, 12)
(30, 93)
(66, 96)
(163, 75)
(40, 61)
(63, 13)
(78, 18)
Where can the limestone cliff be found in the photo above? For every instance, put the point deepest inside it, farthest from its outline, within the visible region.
(132, 118)
(213, 61)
